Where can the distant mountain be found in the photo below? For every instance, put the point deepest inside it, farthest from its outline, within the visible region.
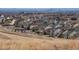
(39, 10)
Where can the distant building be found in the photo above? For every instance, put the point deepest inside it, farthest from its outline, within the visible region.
(2, 18)
(13, 22)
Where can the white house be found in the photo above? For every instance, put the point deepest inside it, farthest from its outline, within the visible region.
(2, 17)
(12, 22)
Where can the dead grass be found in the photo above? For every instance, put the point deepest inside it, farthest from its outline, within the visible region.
(11, 41)
(38, 44)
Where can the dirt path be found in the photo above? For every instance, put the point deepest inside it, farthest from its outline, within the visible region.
(10, 36)
(15, 41)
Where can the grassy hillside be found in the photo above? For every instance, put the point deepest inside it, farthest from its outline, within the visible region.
(13, 42)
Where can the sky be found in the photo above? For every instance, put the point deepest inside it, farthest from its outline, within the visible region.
(39, 3)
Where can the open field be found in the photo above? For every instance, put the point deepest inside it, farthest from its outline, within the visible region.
(39, 29)
(35, 42)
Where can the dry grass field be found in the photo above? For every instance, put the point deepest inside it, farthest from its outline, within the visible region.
(12, 41)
